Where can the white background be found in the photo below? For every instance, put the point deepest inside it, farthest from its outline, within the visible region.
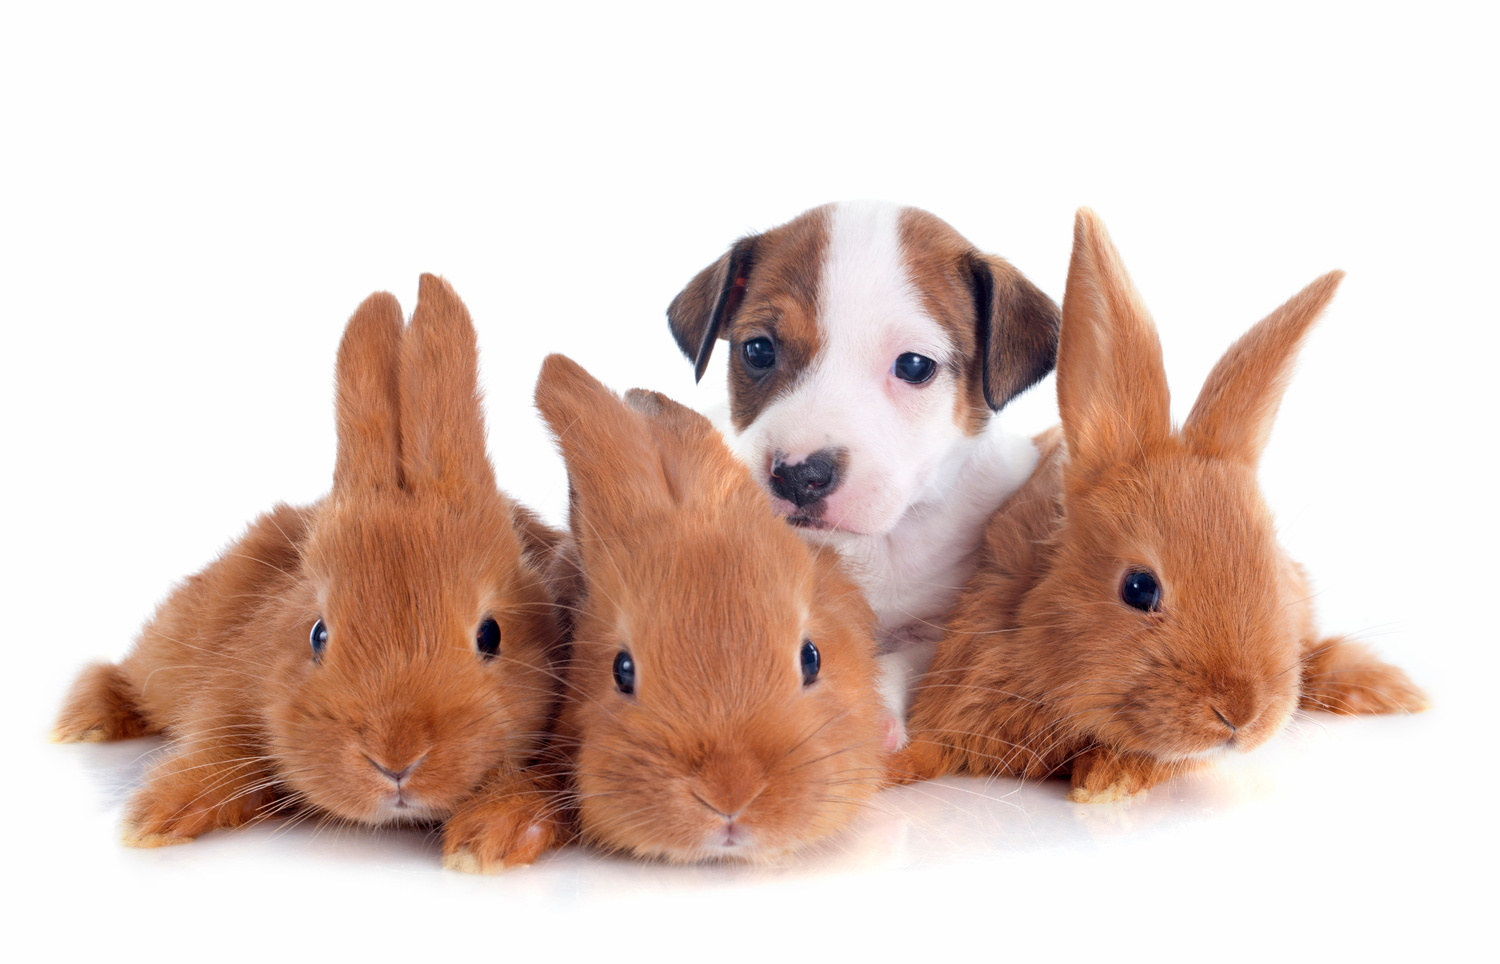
(193, 202)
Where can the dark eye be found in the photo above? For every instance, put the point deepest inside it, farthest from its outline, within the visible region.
(1141, 591)
(914, 368)
(488, 638)
(759, 353)
(810, 662)
(318, 638)
(625, 673)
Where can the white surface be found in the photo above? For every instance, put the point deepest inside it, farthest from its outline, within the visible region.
(191, 204)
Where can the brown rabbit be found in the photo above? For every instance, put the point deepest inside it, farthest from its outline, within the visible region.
(378, 656)
(1132, 613)
(721, 700)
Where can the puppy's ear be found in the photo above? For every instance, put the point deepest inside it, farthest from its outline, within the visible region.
(1018, 327)
(709, 300)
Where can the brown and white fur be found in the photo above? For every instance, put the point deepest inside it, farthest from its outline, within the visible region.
(898, 477)
(1132, 613)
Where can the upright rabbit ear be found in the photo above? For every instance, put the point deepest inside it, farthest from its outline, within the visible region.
(609, 448)
(442, 423)
(694, 462)
(632, 457)
(368, 401)
(1234, 412)
(1111, 387)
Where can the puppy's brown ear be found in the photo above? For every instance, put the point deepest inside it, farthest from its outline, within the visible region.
(710, 299)
(1018, 327)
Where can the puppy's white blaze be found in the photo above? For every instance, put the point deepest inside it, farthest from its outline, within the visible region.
(895, 435)
(865, 291)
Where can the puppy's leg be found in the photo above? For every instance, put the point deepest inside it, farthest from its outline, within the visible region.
(900, 669)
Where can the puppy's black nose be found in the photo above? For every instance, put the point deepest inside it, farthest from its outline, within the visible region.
(807, 481)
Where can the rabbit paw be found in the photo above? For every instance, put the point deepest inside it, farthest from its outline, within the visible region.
(511, 831)
(99, 708)
(173, 811)
(1121, 788)
(1345, 678)
(1102, 775)
(921, 759)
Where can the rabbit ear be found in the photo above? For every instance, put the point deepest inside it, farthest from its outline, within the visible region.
(610, 450)
(1234, 412)
(368, 403)
(632, 457)
(1111, 387)
(695, 463)
(442, 424)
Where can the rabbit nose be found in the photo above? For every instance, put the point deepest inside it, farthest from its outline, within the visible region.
(396, 776)
(1236, 711)
(726, 800)
(805, 482)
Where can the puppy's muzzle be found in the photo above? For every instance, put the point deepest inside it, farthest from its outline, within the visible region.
(806, 482)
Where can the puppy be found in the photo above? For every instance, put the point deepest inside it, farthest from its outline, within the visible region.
(871, 346)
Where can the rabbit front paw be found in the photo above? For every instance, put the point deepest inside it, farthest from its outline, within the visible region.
(501, 832)
(173, 810)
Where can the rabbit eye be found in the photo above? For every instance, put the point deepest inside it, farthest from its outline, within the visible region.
(811, 661)
(319, 639)
(1141, 591)
(759, 353)
(487, 638)
(914, 368)
(625, 673)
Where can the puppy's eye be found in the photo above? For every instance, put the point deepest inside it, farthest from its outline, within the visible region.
(319, 639)
(811, 662)
(759, 353)
(487, 638)
(625, 673)
(1141, 591)
(914, 368)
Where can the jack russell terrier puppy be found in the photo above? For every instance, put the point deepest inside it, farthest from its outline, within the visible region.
(871, 346)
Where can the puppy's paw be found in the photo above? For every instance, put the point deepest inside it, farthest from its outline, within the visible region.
(895, 734)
